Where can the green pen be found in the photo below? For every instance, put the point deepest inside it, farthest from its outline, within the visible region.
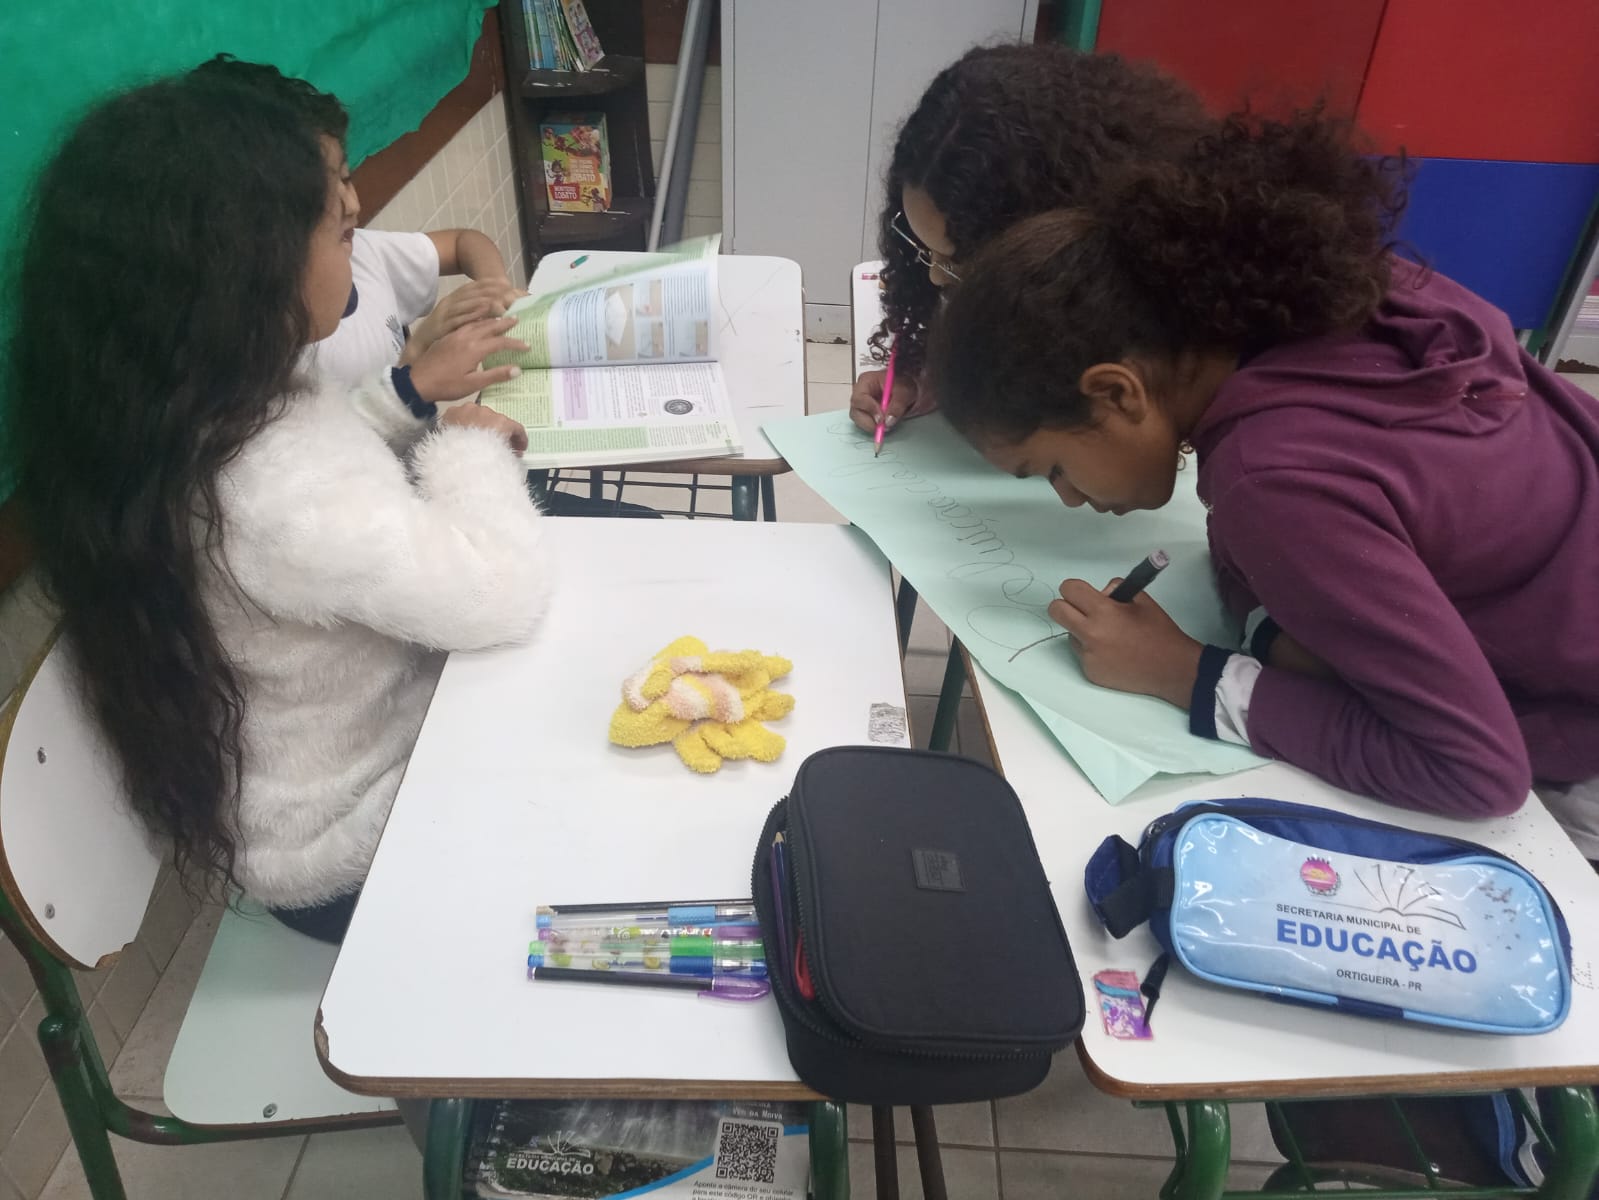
(678, 948)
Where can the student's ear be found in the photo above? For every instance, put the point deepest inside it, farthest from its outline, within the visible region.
(1116, 387)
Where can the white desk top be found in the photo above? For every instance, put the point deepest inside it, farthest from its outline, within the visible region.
(763, 346)
(514, 798)
(1214, 1042)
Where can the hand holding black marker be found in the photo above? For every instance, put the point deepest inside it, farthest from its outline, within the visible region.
(1127, 644)
(1140, 577)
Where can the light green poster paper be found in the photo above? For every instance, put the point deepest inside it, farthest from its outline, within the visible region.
(988, 552)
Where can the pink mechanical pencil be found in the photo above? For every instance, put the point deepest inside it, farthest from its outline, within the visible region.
(882, 412)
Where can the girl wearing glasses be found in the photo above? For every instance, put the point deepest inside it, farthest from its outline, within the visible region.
(1005, 132)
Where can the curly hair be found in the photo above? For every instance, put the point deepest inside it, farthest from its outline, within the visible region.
(1006, 132)
(1268, 232)
(160, 321)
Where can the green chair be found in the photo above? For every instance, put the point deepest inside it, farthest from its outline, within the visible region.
(76, 875)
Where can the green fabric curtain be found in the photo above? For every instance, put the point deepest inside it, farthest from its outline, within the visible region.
(390, 61)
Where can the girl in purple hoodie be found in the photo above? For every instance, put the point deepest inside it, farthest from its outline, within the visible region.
(1404, 505)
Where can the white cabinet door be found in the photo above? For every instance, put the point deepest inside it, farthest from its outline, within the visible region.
(813, 94)
(916, 40)
(797, 90)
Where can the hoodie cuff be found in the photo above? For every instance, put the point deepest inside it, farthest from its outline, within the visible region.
(1202, 703)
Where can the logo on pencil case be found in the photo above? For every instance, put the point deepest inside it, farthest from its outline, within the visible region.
(561, 1154)
(937, 871)
(1318, 876)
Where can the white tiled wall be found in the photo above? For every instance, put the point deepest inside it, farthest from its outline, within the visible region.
(467, 185)
(702, 209)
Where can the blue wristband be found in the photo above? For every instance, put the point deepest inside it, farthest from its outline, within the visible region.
(422, 410)
(1202, 703)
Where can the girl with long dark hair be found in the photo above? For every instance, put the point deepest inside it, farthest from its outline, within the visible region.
(256, 579)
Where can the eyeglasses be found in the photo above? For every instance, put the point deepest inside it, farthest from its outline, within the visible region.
(923, 255)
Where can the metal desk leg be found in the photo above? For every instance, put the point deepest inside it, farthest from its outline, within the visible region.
(768, 498)
(1200, 1172)
(829, 1151)
(745, 497)
(927, 1154)
(449, 1122)
(1570, 1174)
(949, 700)
(904, 612)
(885, 1154)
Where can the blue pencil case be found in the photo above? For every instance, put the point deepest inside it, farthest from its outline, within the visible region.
(1317, 907)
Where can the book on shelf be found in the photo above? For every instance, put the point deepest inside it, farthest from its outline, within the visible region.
(560, 36)
(585, 44)
(576, 156)
(622, 366)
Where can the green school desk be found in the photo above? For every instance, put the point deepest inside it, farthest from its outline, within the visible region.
(1214, 1044)
(514, 797)
(763, 358)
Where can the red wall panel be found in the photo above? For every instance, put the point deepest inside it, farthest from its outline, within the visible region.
(1490, 79)
(1278, 54)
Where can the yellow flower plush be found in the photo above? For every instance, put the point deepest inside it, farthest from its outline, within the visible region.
(709, 704)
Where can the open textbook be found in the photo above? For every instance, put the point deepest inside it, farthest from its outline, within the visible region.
(623, 368)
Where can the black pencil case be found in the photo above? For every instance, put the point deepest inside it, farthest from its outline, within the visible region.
(917, 917)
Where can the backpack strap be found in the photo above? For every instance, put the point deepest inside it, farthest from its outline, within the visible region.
(1154, 980)
(1124, 892)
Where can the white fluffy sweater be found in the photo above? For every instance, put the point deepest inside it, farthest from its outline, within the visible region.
(358, 547)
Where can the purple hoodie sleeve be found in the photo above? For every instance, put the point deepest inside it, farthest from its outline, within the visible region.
(1416, 716)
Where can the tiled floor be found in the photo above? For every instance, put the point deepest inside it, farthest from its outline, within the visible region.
(1064, 1140)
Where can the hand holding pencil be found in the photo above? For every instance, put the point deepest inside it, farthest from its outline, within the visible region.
(867, 406)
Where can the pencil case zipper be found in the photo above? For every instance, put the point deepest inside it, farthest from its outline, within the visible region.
(797, 1004)
(1244, 811)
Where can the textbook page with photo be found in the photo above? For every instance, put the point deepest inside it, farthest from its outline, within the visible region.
(622, 369)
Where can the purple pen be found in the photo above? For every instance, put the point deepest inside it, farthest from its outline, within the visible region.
(720, 987)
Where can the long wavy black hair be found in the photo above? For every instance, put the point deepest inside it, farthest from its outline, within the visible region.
(1006, 132)
(160, 320)
(1268, 232)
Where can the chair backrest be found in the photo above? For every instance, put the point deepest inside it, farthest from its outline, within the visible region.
(75, 862)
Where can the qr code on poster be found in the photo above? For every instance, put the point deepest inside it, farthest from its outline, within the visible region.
(746, 1151)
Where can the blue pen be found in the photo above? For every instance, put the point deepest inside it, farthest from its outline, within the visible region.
(739, 912)
(779, 872)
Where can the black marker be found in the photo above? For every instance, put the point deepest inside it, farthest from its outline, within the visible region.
(1141, 576)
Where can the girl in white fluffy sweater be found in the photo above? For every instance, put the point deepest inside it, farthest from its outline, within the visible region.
(258, 580)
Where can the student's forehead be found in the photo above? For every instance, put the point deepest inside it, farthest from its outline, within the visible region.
(333, 151)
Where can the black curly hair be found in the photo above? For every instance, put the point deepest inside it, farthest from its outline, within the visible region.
(1006, 132)
(1268, 232)
(160, 322)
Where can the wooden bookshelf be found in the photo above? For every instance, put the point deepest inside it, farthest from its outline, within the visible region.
(615, 87)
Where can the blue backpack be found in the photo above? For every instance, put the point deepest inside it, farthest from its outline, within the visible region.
(1317, 907)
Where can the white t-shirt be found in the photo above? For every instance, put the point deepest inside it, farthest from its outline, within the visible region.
(396, 282)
